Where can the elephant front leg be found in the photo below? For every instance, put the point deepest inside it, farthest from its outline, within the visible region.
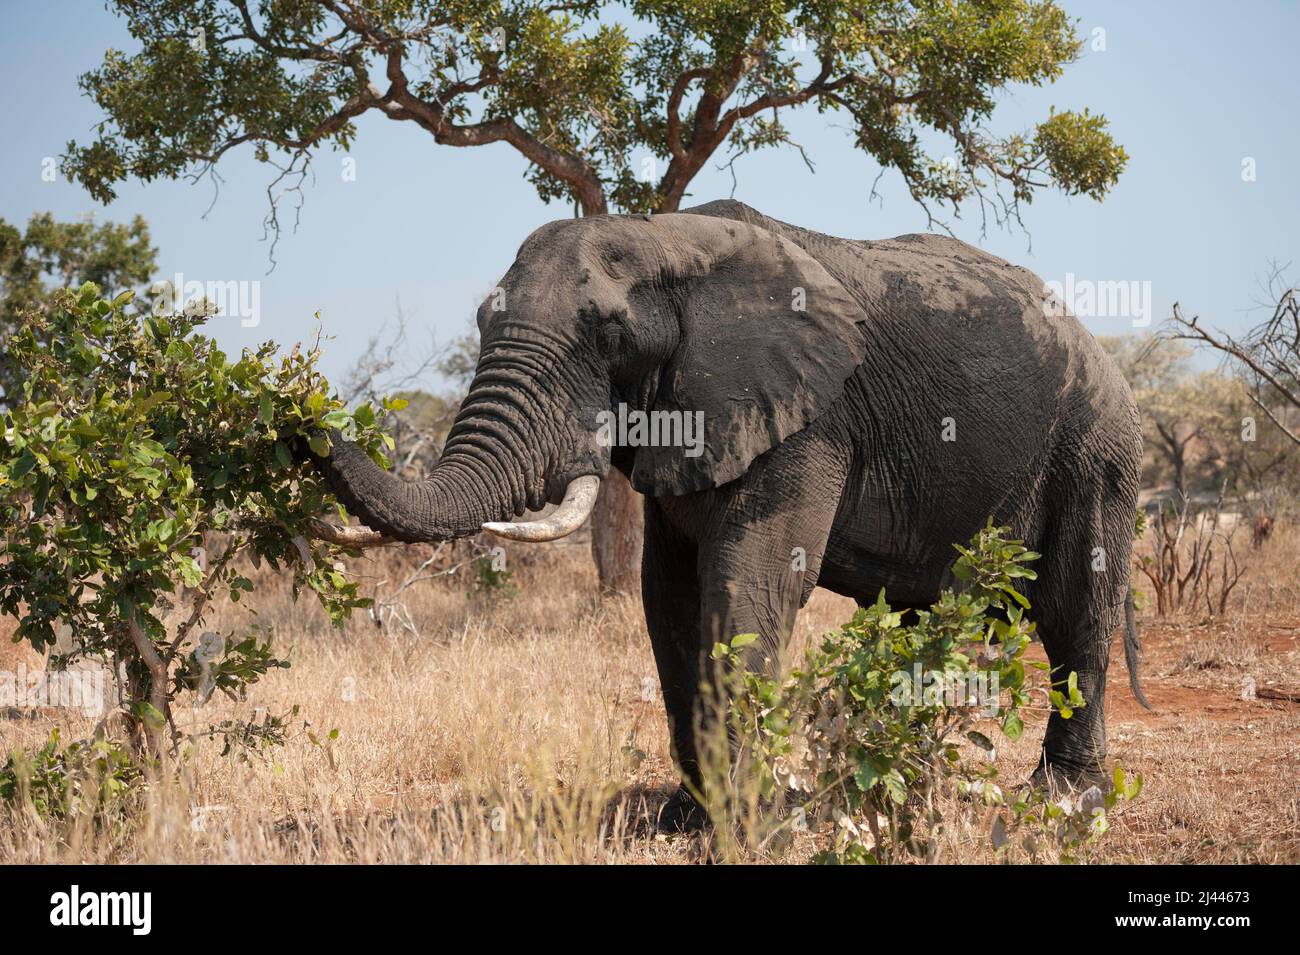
(753, 585)
(756, 569)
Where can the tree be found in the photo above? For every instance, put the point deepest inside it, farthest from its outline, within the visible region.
(1187, 416)
(1266, 361)
(1198, 427)
(139, 467)
(1158, 375)
(1267, 356)
(603, 118)
(60, 255)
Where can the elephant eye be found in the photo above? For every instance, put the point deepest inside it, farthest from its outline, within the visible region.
(610, 338)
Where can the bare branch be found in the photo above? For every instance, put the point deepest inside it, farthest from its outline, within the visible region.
(1244, 352)
(351, 536)
(1274, 418)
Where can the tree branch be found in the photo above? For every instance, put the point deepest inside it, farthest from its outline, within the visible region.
(1274, 418)
(358, 536)
(1229, 346)
(674, 109)
(431, 116)
(400, 103)
(320, 53)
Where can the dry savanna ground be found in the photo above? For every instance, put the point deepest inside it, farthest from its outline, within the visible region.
(529, 729)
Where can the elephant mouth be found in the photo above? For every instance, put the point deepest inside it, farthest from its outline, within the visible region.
(575, 507)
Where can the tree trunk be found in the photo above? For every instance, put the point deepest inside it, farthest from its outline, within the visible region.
(616, 527)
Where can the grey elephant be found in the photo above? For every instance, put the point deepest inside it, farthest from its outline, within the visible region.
(865, 404)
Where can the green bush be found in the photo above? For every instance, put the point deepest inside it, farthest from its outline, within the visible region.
(491, 580)
(137, 464)
(880, 724)
(76, 779)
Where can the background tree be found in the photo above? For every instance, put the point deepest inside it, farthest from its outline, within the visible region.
(1201, 429)
(1267, 357)
(603, 118)
(1182, 410)
(53, 255)
(1266, 364)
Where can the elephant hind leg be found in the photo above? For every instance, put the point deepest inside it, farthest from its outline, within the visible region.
(1078, 604)
(1074, 750)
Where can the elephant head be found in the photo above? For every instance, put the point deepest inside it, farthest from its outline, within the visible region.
(671, 313)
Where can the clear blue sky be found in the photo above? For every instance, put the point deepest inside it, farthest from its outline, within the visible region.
(1191, 89)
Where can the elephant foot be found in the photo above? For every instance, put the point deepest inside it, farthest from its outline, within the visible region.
(682, 813)
(1059, 780)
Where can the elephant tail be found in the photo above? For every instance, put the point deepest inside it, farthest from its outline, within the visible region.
(1132, 649)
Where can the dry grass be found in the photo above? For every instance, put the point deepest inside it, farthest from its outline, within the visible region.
(530, 730)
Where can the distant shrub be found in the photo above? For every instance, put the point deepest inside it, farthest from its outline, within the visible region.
(492, 581)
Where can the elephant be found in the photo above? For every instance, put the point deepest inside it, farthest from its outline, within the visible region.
(865, 405)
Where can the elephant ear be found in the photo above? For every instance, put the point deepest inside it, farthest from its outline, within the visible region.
(768, 340)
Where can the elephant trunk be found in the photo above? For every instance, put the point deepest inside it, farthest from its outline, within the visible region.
(494, 465)
(450, 505)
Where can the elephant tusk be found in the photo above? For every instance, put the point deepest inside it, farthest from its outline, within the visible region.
(579, 498)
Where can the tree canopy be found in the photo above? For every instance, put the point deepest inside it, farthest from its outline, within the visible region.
(613, 105)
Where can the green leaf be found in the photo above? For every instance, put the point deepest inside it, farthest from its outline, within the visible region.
(337, 419)
(1013, 727)
(1015, 595)
(320, 445)
(190, 571)
(153, 400)
(896, 787)
(149, 714)
(866, 776)
(1076, 698)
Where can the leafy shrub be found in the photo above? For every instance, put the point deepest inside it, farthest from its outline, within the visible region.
(492, 581)
(137, 464)
(880, 723)
(81, 778)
